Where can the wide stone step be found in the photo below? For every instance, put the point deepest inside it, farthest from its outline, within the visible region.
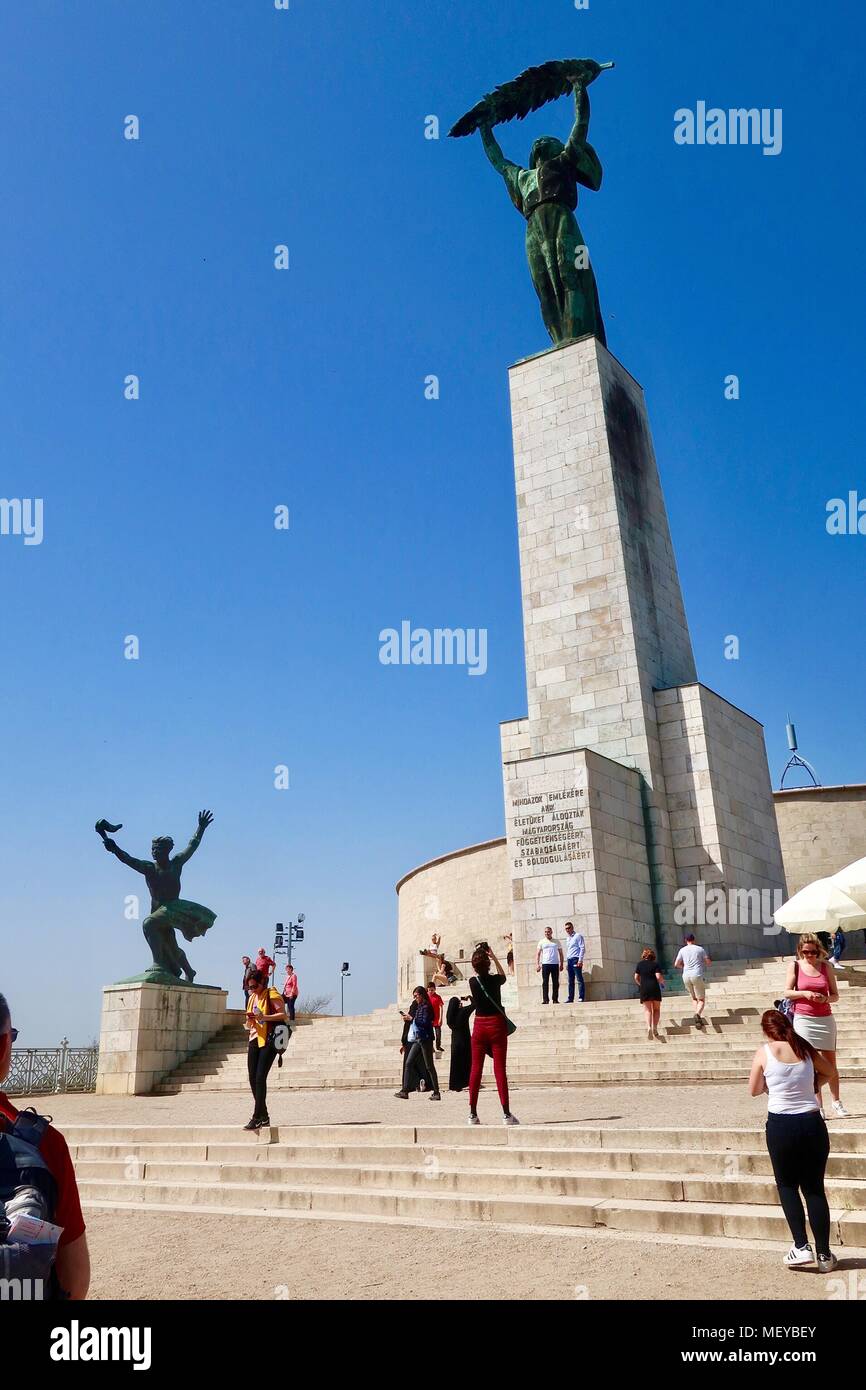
(560, 1029)
(707, 1040)
(708, 1047)
(847, 1137)
(386, 1177)
(696, 1171)
(842, 1193)
(615, 1213)
(612, 1013)
(659, 1062)
(683, 1031)
(588, 1076)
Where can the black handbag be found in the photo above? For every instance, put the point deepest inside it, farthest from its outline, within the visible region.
(510, 1025)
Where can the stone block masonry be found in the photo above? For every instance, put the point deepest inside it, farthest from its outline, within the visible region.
(577, 850)
(463, 896)
(603, 617)
(721, 812)
(148, 1030)
(822, 829)
(614, 707)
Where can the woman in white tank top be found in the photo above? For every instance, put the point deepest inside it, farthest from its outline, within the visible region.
(788, 1068)
(790, 1085)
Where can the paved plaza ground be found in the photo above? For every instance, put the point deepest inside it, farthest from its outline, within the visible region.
(164, 1256)
(155, 1255)
(704, 1106)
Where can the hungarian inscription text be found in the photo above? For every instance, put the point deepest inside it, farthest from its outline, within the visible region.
(549, 828)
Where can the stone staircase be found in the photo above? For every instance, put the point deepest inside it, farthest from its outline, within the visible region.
(659, 1182)
(588, 1044)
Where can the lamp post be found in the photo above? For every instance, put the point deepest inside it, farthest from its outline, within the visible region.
(286, 938)
(344, 975)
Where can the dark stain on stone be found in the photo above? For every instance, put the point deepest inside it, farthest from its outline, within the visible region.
(630, 452)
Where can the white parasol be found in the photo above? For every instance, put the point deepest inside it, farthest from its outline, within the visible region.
(852, 881)
(820, 906)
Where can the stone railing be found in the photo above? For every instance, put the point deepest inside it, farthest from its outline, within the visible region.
(47, 1070)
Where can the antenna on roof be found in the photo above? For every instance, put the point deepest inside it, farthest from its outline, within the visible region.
(795, 760)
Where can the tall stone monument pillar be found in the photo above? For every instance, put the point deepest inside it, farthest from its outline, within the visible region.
(627, 779)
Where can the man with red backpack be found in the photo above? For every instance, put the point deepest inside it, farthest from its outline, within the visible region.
(37, 1181)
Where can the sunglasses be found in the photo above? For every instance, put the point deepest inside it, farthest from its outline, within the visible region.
(809, 951)
(13, 1033)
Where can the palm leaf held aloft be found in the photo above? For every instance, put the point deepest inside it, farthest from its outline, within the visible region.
(532, 89)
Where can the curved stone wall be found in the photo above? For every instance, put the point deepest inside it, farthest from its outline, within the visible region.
(464, 897)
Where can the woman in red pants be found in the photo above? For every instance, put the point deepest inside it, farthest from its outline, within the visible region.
(489, 1035)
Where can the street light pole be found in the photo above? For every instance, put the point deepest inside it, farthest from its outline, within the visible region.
(285, 940)
(344, 975)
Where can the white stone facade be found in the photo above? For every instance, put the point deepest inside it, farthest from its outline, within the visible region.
(628, 785)
(583, 812)
(722, 816)
(609, 668)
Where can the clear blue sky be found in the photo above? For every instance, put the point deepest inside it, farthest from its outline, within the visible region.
(305, 388)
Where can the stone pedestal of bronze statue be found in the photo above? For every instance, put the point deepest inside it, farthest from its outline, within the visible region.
(627, 780)
(148, 1029)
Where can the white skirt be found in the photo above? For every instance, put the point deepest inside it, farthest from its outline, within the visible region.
(820, 1032)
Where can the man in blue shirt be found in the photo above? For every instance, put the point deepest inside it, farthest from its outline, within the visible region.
(575, 950)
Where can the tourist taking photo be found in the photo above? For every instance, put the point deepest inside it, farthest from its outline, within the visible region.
(490, 1031)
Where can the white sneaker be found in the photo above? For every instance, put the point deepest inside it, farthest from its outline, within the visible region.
(827, 1263)
(473, 1120)
(799, 1255)
(510, 1120)
(839, 1109)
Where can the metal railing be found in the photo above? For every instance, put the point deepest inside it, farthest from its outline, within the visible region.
(48, 1070)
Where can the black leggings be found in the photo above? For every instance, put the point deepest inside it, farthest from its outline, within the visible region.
(259, 1062)
(798, 1146)
(425, 1060)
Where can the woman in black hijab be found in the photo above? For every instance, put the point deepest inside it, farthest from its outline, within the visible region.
(457, 1018)
(414, 1077)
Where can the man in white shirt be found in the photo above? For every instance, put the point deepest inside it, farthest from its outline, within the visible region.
(548, 960)
(575, 950)
(693, 961)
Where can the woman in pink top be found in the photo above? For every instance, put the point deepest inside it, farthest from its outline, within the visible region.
(811, 984)
(290, 991)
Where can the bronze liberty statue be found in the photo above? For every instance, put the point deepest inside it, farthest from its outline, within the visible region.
(546, 192)
(169, 912)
